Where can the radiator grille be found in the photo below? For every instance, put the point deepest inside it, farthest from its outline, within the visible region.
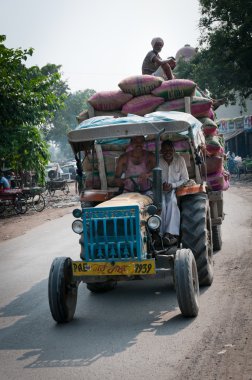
(112, 233)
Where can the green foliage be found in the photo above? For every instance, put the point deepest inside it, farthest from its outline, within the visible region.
(23, 149)
(226, 40)
(223, 62)
(28, 97)
(65, 119)
(26, 94)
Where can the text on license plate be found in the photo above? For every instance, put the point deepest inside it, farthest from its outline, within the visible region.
(82, 268)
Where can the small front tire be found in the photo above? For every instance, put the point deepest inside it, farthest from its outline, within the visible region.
(62, 291)
(186, 282)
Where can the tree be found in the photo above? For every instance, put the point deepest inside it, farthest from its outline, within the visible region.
(26, 94)
(223, 63)
(226, 27)
(64, 119)
(23, 149)
(28, 97)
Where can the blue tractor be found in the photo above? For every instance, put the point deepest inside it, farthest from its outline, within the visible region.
(119, 233)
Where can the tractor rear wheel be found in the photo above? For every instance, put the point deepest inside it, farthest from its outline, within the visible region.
(62, 291)
(186, 282)
(196, 234)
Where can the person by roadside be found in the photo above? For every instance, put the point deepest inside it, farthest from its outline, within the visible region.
(153, 64)
(174, 175)
(4, 183)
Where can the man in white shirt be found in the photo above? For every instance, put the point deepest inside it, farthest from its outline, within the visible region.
(174, 174)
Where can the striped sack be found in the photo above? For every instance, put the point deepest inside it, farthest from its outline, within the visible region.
(214, 145)
(214, 164)
(109, 100)
(199, 106)
(140, 84)
(142, 105)
(217, 182)
(175, 89)
(209, 127)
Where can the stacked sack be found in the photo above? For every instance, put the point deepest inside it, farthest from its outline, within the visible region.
(217, 177)
(142, 94)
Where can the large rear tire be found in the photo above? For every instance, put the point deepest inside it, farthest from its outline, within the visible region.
(196, 234)
(217, 238)
(186, 282)
(62, 291)
(102, 287)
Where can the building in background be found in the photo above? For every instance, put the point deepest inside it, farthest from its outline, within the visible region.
(187, 52)
(237, 133)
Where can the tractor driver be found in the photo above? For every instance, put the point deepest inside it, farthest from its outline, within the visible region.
(135, 167)
(174, 174)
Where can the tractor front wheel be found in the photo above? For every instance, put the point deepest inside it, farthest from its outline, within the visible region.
(62, 290)
(186, 282)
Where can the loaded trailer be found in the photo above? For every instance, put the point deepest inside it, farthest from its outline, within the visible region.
(118, 232)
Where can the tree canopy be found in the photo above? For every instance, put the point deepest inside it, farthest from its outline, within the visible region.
(27, 94)
(223, 63)
(28, 97)
(64, 120)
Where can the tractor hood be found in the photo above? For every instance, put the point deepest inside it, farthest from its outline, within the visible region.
(104, 128)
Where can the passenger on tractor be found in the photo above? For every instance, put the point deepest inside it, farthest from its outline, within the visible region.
(153, 64)
(174, 175)
(134, 167)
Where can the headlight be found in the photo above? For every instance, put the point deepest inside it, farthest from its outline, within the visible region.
(77, 226)
(77, 213)
(154, 222)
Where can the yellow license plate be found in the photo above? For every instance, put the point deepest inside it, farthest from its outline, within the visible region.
(120, 268)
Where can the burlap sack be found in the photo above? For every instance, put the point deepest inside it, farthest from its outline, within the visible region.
(142, 105)
(140, 84)
(109, 100)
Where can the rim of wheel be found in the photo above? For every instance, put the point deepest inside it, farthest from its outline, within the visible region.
(38, 202)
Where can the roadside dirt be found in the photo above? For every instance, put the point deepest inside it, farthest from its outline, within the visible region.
(12, 225)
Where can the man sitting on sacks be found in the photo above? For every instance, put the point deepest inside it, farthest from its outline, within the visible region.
(153, 63)
(135, 167)
(174, 174)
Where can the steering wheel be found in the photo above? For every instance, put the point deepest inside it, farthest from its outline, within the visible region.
(137, 188)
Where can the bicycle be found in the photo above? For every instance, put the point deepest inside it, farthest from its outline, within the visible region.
(34, 198)
(13, 199)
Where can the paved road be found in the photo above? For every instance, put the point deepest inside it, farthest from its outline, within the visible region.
(136, 331)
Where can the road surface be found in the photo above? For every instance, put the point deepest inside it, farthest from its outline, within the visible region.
(136, 331)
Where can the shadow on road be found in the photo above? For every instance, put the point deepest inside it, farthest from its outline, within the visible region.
(104, 324)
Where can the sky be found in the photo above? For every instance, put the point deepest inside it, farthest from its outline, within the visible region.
(97, 42)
